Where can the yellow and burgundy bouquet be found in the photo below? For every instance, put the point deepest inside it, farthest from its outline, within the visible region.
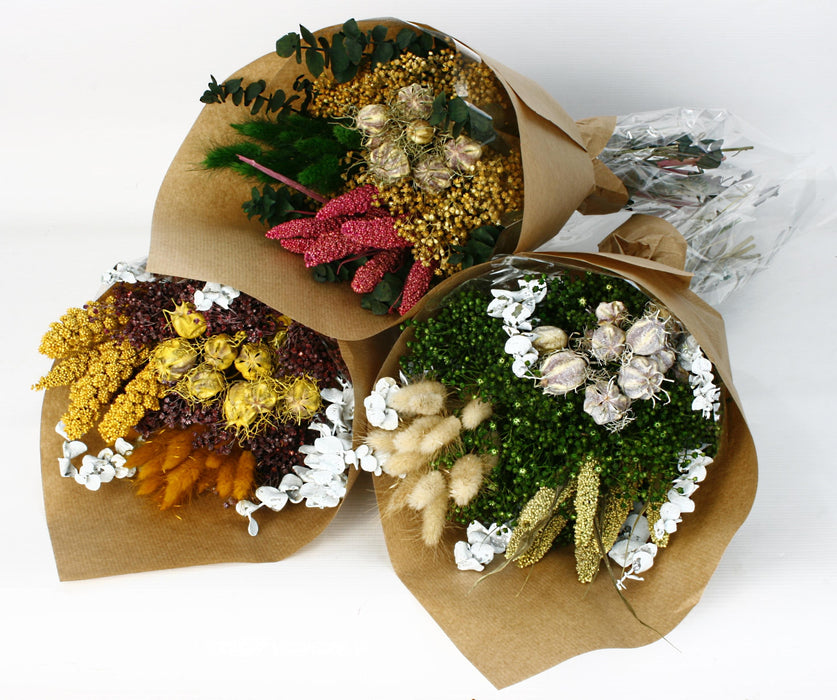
(209, 403)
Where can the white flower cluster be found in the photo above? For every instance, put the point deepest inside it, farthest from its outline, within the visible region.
(130, 273)
(214, 293)
(379, 414)
(321, 480)
(632, 550)
(707, 394)
(379, 411)
(483, 543)
(106, 466)
(516, 309)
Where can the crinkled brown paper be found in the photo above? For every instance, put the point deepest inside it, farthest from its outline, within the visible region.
(519, 622)
(200, 231)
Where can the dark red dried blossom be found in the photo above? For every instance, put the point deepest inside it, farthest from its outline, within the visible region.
(372, 272)
(416, 285)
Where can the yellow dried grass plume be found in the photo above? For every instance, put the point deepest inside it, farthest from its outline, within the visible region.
(171, 471)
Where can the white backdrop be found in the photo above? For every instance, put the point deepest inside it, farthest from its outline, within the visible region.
(95, 99)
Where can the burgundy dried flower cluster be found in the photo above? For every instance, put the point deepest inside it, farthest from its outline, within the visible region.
(351, 226)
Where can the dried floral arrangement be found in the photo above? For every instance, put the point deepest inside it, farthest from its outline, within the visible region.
(394, 163)
(545, 406)
(196, 388)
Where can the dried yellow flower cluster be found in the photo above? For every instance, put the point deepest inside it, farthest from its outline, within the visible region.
(66, 371)
(141, 394)
(435, 222)
(441, 70)
(110, 365)
(80, 329)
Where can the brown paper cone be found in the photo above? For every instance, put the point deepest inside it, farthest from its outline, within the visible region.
(648, 237)
(520, 622)
(112, 531)
(199, 230)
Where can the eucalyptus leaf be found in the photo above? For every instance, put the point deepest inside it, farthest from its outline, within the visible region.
(383, 53)
(315, 62)
(354, 49)
(287, 45)
(379, 33)
(458, 110)
(404, 38)
(253, 90)
(351, 29)
(308, 37)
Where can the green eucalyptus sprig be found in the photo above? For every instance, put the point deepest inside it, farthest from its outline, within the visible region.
(252, 95)
(349, 48)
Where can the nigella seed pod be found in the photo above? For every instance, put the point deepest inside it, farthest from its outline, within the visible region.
(419, 132)
(239, 411)
(254, 360)
(372, 119)
(607, 342)
(432, 175)
(611, 312)
(414, 101)
(187, 322)
(388, 163)
(302, 399)
(646, 336)
(562, 372)
(219, 351)
(462, 153)
(605, 403)
(173, 358)
(549, 338)
(640, 378)
(665, 359)
(203, 382)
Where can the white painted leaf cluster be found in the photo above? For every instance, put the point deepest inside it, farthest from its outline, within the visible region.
(214, 293)
(107, 465)
(483, 543)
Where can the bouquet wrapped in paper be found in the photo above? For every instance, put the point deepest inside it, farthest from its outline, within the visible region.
(344, 175)
(211, 406)
(734, 199)
(560, 451)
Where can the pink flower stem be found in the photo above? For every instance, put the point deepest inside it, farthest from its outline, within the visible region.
(284, 180)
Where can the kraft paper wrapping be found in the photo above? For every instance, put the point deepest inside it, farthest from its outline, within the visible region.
(112, 531)
(519, 622)
(200, 231)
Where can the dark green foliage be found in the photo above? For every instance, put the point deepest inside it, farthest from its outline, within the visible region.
(273, 205)
(385, 296)
(478, 249)
(350, 47)
(308, 150)
(251, 96)
(457, 115)
(545, 438)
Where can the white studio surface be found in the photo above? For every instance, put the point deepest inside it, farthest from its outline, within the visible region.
(97, 98)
